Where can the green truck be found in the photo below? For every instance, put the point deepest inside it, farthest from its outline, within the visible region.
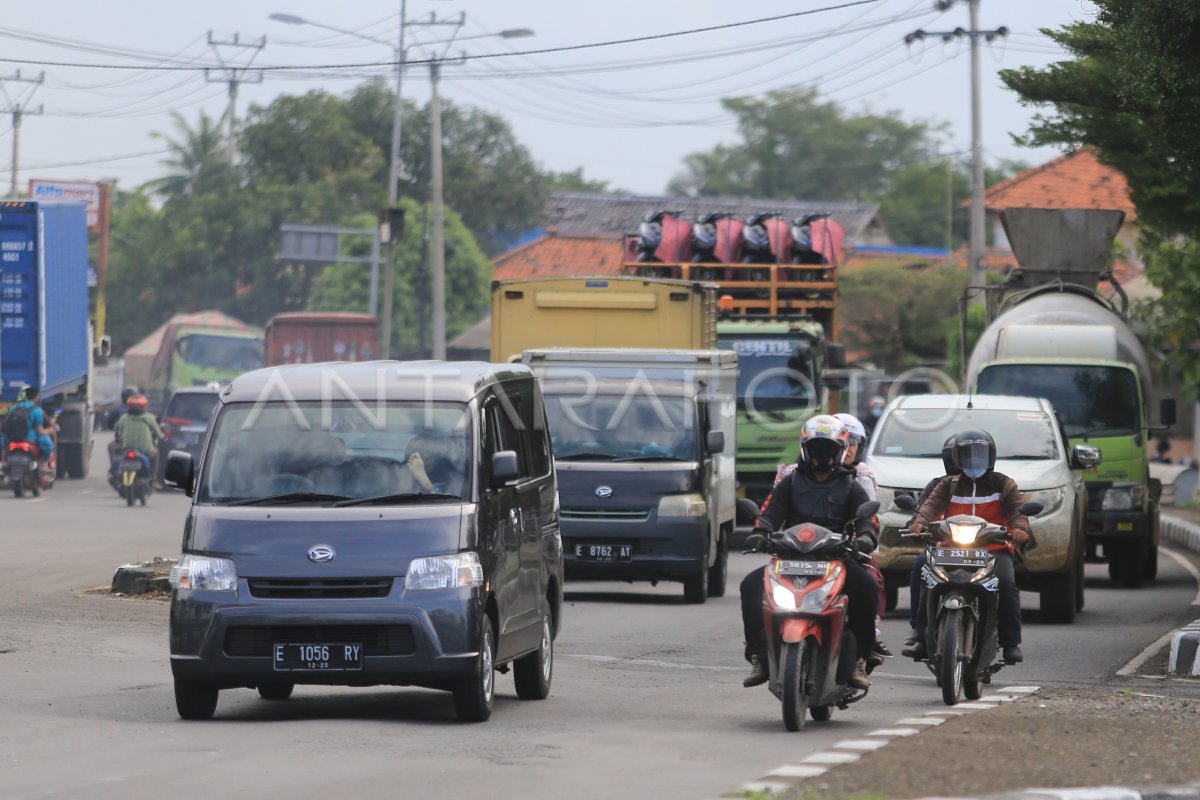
(1054, 335)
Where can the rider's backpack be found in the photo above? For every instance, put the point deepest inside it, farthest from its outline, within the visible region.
(16, 424)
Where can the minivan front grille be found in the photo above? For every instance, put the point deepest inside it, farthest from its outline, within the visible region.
(601, 514)
(330, 588)
(258, 641)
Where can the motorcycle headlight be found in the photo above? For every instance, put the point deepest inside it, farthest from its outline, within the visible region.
(1122, 498)
(1051, 499)
(457, 571)
(204, 574)
(964, 534)
(682, 505)
(814, 601)
(651, 234)
(784, 597)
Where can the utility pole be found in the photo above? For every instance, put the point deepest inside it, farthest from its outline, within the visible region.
(975, 267)
(20, 109)
(439, 245)
(389, 275)
(233, 76)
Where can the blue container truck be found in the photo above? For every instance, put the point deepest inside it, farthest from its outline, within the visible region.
(45, 335)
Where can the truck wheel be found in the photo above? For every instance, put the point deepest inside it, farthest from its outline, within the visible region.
(72, 461)
(1150, 568)
(718, 572)
(1058, 598)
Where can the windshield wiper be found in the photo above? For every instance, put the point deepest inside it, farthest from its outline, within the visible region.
(651, 458)
(586, 454)
(290, 497)
(388, 499)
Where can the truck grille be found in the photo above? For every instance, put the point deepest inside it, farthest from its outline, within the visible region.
(613, 514)
(300, 588)
(257, 641)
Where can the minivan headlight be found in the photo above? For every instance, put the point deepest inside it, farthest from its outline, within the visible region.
(204, 574)
(1051, 499)
(682, 505)
(457, 571)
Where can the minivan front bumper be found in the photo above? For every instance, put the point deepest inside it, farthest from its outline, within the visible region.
(228, 639)
(663, 548)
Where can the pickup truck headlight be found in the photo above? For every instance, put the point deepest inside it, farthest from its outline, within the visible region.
(1051, 499)
(204, 574)
(886, 498)
(1122, 498)
(457, 571)
(682, 505)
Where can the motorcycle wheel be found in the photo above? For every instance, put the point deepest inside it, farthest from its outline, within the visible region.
(18, 489)
(143, 493)
(950, 667)
(821, 713)
(130, 496)
(795, 701)
(972, 687)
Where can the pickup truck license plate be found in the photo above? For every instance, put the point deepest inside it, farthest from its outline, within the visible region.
(811, 568)
(960, 557)
(604, 552)
(338, 657)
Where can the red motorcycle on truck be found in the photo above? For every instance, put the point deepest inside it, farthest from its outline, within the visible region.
(810, 649)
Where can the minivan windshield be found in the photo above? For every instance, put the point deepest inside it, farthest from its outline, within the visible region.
(920, 432)
(1091, 400)
(326, 452)
(615, 427)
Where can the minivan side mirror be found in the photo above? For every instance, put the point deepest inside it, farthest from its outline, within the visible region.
(1166, 412)
(504, 468)
(715, 442)
(1085, 456)
(180, 471)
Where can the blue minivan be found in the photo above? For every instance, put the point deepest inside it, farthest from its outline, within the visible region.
(378, 523)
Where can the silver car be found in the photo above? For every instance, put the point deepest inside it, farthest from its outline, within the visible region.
(1032, 449)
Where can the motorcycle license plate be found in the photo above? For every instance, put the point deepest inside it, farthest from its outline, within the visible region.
(18, 459)
(339, 657)
(959, 557)
(604, 552)
(133, 465)
(809, 568)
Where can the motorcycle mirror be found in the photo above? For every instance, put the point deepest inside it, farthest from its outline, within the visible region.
(1032, 509)
(747, 510)
(868, 509)
(905, 502)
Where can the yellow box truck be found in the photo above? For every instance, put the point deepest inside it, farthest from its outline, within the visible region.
(601, 311)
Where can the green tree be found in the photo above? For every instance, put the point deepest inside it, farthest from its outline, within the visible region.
(196, 158)
(345, 287)
(573, 181)
(1132, 91)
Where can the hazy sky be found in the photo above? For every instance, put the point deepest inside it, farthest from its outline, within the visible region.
(624, 113)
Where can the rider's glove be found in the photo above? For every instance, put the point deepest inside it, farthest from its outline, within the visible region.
(756, 540)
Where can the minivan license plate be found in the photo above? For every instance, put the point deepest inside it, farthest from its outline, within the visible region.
(317, 657)
(604, 552)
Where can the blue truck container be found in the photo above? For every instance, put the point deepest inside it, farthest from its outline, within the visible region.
(45, 338)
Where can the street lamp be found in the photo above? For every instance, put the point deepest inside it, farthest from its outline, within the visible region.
(400, 54)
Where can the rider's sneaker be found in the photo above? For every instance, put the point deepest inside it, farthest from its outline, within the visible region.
(873, 661)
(859, 679)
(758, 672)
(1012, 655)
(912, 637)
(882, 649)
(918, 652)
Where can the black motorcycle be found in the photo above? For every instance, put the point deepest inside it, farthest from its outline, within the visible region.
(962, 601)
(133, 477)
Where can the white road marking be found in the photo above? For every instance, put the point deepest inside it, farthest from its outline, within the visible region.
(920, 721)
(977, 706)
(997, 698)
(1144, 656)
(649, 662)
(1019, 689)
(766, 787)
(1187, 565)
(797, 772)
(946, 712)
(895, 732)
(861, 744)
(828, 757)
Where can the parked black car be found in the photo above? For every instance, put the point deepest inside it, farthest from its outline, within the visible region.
(185, 422)
(366, 524)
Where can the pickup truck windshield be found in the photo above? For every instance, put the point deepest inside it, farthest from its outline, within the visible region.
(920, 432)
(621, 427)
(317, 453)
(1093, 401)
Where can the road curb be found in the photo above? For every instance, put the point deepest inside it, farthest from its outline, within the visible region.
(1185, 643)
(848, 751)
(1190, 791)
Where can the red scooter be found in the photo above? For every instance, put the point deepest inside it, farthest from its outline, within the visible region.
(810, 649)
(23, 470)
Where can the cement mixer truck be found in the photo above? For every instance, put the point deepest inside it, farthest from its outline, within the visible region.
(1053, 334)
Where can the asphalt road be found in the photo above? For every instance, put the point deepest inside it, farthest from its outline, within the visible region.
(647, 698)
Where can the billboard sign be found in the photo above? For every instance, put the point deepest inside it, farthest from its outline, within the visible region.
(69, 190)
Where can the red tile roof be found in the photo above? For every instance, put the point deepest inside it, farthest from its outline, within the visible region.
(1075, 180)
(561, 254)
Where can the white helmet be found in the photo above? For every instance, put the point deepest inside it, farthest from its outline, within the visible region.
(823, 441)
(858, 434)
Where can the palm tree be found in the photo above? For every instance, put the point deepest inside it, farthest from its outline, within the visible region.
(194, 153)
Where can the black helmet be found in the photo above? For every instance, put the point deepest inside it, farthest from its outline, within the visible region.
(974, 453)
(128, 392)
(948, 456)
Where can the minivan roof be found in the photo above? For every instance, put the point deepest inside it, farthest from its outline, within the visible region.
(438, 381)
(988, 401)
